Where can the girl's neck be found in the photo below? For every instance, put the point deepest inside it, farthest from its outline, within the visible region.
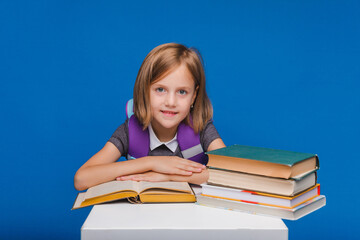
(164, 134)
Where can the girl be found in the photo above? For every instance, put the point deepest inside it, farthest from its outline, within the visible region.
(169, 92)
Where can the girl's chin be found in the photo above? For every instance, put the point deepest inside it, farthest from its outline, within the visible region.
(169, 125)
(168, 122)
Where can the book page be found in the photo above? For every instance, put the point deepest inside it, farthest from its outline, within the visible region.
(79, 199)
(159, 186)
(161, 191)
(109, 188)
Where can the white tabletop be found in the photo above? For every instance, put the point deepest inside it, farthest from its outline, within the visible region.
(177, 221)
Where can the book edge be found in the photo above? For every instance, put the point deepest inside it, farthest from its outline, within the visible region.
(272, 149)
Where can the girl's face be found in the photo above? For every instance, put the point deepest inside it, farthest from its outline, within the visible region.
(170, 101)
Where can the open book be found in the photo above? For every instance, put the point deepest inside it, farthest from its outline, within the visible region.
(135, 192)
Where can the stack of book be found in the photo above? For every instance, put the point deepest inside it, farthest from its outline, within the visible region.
(262, 181)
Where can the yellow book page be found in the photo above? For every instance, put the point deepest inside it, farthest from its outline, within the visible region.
(158, 198)
(109, 188)
(164, 187)
(161, 191)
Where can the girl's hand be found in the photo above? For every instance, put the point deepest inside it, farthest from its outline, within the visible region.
(148, 176)
(175, 165)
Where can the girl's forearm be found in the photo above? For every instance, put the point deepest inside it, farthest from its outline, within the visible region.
(88, 176)
(196, 178)
(93, 175)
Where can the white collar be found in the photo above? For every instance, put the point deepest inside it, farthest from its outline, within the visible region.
(155, 142)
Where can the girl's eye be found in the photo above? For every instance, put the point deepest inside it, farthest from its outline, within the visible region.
(182, 92)
(159, 89)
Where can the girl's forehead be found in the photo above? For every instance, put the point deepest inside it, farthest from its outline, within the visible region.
(177, 76)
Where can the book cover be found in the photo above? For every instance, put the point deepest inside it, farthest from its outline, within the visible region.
(263, 161)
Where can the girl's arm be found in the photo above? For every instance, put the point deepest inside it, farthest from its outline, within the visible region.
(196, 178)
(102, 167)
(216, 144)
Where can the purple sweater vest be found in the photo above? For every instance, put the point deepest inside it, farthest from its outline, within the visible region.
(189, 142)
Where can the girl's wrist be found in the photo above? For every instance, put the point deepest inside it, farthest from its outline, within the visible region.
(149, 163)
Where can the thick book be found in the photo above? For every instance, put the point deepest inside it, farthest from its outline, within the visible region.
(290, 214)
(263, 161)
(136, 192)
(258, 183)
(259, 197)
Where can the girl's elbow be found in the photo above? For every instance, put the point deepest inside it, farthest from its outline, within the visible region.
(79, 182)
(80, 187)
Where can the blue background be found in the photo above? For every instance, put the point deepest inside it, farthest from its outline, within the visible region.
(280, 74)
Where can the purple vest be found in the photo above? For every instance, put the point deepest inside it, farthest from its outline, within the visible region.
(188, 140)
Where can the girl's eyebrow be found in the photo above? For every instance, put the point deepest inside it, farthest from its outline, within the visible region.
(157, 85)
(165, 86)
(185, 88)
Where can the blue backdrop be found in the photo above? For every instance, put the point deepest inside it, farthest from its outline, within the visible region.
(281, 74)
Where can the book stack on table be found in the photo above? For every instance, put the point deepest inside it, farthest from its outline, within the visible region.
(262, 181)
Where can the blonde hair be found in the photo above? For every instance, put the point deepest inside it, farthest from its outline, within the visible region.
(159, 63)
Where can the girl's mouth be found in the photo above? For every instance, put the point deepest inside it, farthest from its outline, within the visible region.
(169, 113)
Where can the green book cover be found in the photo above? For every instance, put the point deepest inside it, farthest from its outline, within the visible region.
(263, 154)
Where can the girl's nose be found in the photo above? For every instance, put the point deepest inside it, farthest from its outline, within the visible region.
(170, 100)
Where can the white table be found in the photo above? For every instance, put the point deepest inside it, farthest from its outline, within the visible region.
(123, 220)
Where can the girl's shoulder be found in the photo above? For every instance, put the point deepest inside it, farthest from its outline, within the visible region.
(208, 134)
(120, 138)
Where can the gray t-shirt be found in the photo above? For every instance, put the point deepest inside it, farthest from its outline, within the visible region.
(120, 139)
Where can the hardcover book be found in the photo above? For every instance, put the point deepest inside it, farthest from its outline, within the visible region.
(263, 161)
(259, 197)
(135, 192)
(285, 213)
(278, 186)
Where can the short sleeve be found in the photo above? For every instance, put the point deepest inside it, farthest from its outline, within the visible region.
(120, 138)
(208, 135)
